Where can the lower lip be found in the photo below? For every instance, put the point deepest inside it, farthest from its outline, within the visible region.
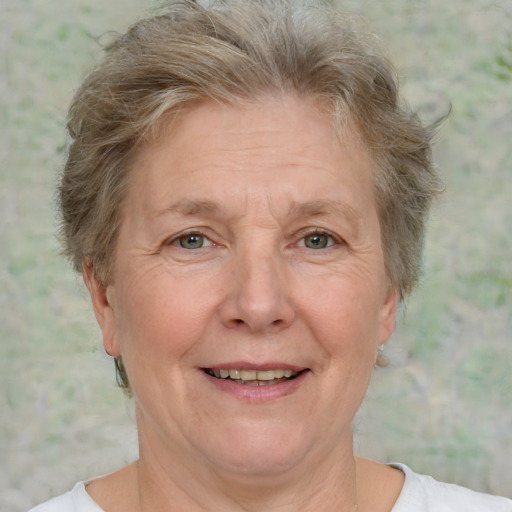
(265, 393)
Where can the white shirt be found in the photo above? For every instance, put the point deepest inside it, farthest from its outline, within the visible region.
(420, 493)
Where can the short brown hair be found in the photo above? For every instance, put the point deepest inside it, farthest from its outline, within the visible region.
(228, 51)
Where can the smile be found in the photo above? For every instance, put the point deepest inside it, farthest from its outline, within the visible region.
(253, 377)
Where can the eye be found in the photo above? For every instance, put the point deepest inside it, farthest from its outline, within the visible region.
(317, 240)
(192, 241)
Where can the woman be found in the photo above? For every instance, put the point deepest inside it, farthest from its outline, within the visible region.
(246, 199)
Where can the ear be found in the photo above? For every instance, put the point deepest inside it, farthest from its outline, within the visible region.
(103, 308)
(388, 315)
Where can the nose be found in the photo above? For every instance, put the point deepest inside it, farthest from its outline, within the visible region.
(259, 299)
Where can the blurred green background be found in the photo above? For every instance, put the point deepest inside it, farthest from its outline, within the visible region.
(444, 406)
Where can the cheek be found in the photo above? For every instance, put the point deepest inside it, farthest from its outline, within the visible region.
(160, 315)
(347, 317)
(347, 331)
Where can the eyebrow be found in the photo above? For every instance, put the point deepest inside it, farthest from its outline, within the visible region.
(315, 208)
(324, 207)
(191, 207)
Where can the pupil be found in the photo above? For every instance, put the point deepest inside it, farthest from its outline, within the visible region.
(316, 241)
(191, 241)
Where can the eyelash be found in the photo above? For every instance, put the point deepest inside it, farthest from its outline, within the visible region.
(176, 240)
(333, 239)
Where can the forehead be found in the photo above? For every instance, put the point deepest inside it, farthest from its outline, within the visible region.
(246, 118)
(280, 142)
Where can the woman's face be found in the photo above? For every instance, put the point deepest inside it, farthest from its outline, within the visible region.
(249, 247)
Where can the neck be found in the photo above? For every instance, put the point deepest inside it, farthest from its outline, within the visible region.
(167, 479)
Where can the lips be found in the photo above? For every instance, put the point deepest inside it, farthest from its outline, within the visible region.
(250, 377)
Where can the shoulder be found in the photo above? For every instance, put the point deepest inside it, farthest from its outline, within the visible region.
(422, 493)
(76, 500)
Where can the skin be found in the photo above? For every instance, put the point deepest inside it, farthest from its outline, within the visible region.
(257, 184)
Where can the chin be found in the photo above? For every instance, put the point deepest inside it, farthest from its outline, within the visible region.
(261, 451)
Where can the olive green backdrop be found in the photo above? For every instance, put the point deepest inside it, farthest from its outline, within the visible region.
(444, 406)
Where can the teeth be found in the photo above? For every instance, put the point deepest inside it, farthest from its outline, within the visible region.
(234, 374)
(253, 375)
(247, 374)
(266, 375)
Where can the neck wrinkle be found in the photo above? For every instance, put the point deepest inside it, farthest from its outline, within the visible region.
(164, 484)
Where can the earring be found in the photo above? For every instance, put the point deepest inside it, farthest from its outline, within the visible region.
(382, 359)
